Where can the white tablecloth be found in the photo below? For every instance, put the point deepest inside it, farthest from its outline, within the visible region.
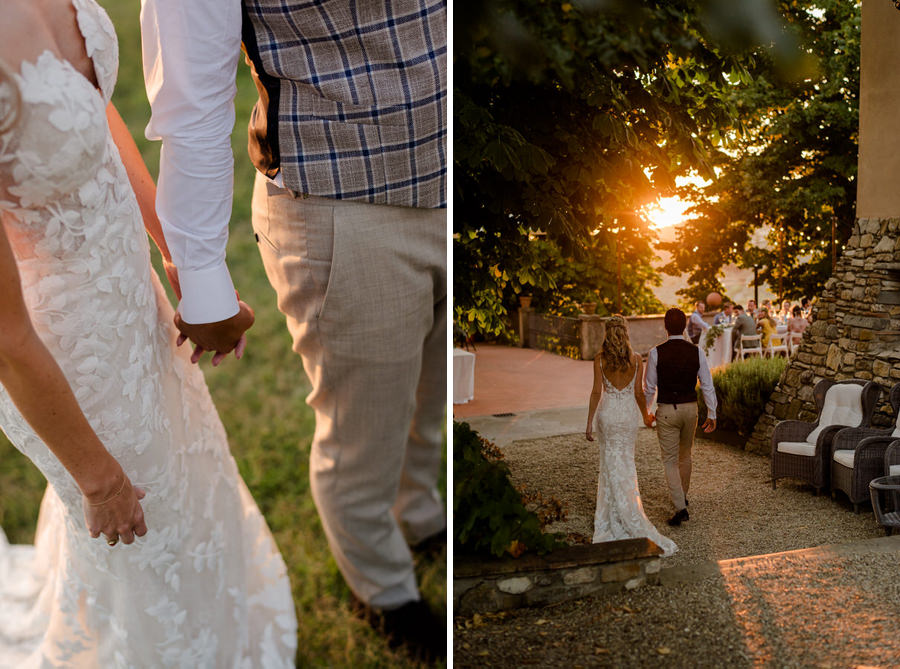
(463, 376)
(720, 353)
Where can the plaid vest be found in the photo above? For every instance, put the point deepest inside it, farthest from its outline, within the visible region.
(352, 97)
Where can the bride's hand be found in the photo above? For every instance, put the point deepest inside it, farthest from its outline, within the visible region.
(118, 515)
(588, 435)
(649, 419)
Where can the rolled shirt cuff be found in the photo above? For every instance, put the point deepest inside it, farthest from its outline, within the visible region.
(207, 295)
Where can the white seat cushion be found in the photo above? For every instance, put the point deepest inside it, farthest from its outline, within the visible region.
(894, 470)
(844, 457)
(843, 406)
(797, 448)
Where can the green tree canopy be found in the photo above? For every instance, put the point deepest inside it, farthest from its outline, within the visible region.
(792, 173)
(569, 118)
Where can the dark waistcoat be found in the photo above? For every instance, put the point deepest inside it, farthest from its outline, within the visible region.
(677, 364)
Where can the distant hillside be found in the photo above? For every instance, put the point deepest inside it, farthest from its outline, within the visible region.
(738, 282)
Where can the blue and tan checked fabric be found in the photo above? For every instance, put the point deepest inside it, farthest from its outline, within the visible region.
(353, 97)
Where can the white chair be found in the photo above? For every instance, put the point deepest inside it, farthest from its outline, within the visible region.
(781, 347)
(802, 450)
(793, 341)
(750, 345)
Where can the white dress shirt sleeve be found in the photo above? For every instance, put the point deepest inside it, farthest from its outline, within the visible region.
(706, 385)
(650, 379)
(697, 320)
(191, 50)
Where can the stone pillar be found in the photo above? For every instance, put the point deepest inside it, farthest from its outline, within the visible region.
(856, 327)
(592, 333)
(524, 322)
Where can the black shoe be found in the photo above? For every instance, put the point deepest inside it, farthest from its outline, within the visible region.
(686, 503)
(413, 626)
(678, 518)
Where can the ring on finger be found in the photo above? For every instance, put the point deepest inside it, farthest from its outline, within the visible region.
(112, 541)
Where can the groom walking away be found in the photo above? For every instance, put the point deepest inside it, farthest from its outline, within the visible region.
(349, 209)
(673, 368)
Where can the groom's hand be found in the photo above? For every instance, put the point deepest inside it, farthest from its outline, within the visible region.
(709, 425)
(220, 338)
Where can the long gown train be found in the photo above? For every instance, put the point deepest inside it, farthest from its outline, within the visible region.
(620, 513)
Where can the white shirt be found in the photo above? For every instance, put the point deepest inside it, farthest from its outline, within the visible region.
(706, 383)
(191, 50)
(697, 320)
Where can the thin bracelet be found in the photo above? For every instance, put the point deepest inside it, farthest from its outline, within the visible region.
(113, 496)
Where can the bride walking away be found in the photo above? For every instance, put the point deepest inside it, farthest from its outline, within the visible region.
(149, 550)
(616, 409)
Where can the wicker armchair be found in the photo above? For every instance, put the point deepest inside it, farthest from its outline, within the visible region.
(858, 456)
(892, 459)
(802, 450)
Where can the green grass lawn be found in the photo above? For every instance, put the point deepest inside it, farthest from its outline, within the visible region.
(261, 402)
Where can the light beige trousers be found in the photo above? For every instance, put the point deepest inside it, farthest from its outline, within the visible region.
(364, 290)
(675, 428)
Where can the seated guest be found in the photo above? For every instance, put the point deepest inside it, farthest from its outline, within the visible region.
(767, 307)
(785, 314)
(751, 309)
(797, 323)
(767, 328)
(806, 309)
(696, 325)
(743, 325)
(725, 316)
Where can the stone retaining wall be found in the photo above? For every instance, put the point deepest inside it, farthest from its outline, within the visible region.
(855, 331)
(481, 585)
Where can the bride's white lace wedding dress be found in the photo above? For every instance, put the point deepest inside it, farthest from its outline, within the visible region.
(206, 586)
(620, 513)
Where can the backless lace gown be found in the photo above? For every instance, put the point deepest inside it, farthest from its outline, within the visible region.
(620, 513)
(206, 586)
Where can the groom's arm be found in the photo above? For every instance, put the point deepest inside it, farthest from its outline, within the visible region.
(191, 51)
(650, 378)
(709, 392)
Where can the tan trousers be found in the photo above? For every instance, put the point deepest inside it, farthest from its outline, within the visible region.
(364, 290)
(675, 428)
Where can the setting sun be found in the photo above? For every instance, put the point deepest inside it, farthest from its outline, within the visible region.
(667, 212)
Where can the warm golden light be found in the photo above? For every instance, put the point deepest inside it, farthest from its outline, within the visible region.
(667, 212)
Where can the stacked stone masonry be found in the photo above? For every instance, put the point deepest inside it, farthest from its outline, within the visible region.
(855, 333)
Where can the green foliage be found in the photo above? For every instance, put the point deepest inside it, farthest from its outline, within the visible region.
(490, 517)
(742, 390)
(709, 339)
(569, 118)
(791, 173)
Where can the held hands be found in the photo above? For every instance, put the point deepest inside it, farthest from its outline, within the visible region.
(649, 419)
(223, 337)
(709, 425)
(116, 513)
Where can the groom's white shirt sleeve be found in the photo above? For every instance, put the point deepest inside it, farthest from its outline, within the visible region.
(650, 379)
(706, 386)
(191, 50)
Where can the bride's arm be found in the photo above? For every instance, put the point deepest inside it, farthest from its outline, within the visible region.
(144, 189)
(639, 391)
(596, 394)
(40, 391)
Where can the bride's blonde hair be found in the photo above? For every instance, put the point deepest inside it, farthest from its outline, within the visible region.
(10, 108)
(616, 353)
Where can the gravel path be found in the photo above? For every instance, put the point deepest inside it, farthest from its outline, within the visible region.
(823, 608)
(734, 511)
